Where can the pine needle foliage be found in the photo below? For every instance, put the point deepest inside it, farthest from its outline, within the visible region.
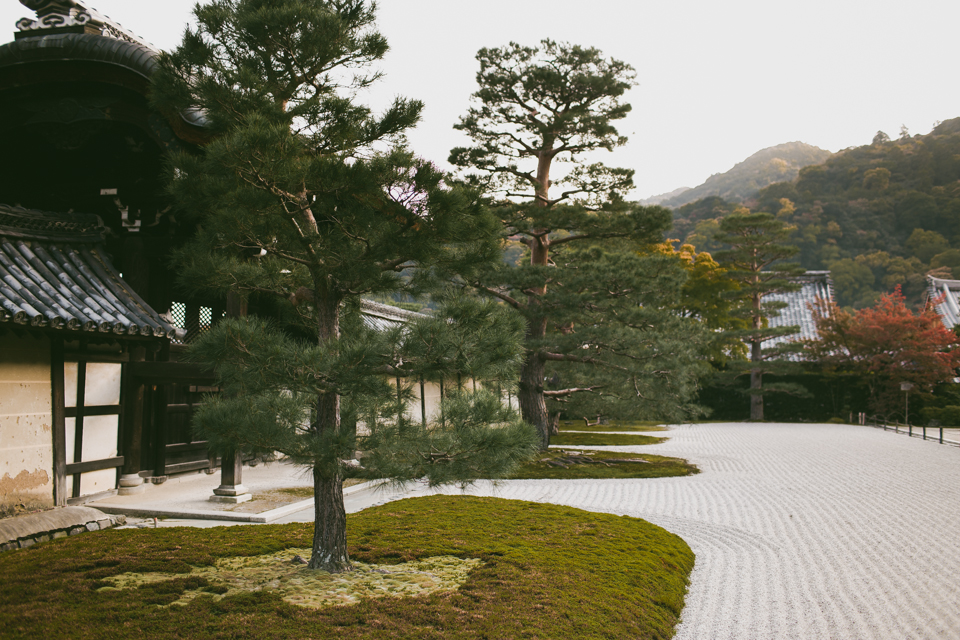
(581, 283)
(304, 201)
(754, 262)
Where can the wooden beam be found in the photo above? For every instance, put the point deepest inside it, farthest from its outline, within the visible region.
(101, 410)
(166, 372)
(76, 468)
(186, 447)
(94, 356)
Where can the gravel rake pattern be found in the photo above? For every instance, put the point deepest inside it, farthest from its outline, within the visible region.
(801, 531)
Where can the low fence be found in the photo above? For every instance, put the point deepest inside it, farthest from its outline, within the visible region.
(936, 432)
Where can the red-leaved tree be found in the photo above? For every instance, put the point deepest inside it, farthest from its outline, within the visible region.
(886, 345)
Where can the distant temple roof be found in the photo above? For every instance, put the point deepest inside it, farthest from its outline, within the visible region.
(381, 317)
(949, 307)
(814, 286)
(54, 274)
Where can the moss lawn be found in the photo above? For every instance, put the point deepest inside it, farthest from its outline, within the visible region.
(544, 571)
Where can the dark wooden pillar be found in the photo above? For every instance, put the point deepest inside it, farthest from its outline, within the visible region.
(162, 399)
(134, 392)
(423, 404)
(136, 265)
(59, 423)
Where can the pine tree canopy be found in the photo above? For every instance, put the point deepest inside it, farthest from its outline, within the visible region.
(754, 263)
(305, 200)
(594, 295)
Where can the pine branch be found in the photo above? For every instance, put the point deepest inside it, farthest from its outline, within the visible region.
(562, 393)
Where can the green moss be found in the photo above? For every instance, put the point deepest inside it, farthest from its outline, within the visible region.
(613, 425)
(548, 572)
(563, 464)
(297, 584)
(568, 439)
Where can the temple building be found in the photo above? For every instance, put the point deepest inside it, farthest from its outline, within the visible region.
(946, 294)
(815, 286)
(94, 395)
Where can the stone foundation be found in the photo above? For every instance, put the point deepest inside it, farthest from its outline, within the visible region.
(25, 531)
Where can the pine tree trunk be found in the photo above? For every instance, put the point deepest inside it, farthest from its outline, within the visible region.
(329, 524)
(756, 400)
(330, 518)
(756, 356)
(555, 424)
(533, 407)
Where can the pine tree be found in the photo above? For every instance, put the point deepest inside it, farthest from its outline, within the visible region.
(754, 262)
(586, 292)
(298, 214)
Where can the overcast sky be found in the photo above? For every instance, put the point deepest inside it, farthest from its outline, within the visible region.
(717, 81)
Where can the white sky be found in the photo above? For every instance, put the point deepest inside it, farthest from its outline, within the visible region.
(717, 81)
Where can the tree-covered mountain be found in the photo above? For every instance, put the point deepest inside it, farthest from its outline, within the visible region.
(652, 200)
(877, 216)
(765, 167)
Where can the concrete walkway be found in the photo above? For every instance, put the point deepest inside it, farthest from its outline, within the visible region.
(185, 500)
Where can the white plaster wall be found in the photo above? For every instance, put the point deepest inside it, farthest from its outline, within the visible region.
(26, 423)
(431, 394)
(100, 433)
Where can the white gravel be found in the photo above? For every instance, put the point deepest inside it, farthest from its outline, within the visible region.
(800, 531)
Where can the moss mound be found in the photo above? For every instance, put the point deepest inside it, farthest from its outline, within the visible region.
(568, 439)
(613, 425)
(564, 464)
(286, 574)
(547, 572)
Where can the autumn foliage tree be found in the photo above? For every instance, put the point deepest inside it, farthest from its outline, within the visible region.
(886, 345)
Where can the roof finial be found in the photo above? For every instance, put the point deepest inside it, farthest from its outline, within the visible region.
(70, 16)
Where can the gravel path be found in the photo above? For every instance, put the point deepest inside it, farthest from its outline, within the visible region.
(800, 531)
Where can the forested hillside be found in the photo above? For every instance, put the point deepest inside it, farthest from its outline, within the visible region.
(877, 216)
(765, 167)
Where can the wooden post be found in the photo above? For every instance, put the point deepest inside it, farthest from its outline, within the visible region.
(423, 404)
(162, 398)
(78, 424)
(59, 423)
(131, 427)
(443, 420)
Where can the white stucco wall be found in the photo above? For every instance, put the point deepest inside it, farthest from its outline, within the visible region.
(26, 424)
(100, 433)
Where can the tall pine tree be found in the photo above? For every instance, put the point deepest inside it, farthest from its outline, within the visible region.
(755, 262)
(297, 213)
(587, 293)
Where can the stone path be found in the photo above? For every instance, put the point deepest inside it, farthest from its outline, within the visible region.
(800, 531)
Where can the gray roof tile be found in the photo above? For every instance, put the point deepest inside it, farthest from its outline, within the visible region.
(949, 306)
(54, 273)
(814, 285)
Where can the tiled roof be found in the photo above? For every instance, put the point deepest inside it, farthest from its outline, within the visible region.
(381, 317)
(54, 274)
(814, 285)
(949, 307)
